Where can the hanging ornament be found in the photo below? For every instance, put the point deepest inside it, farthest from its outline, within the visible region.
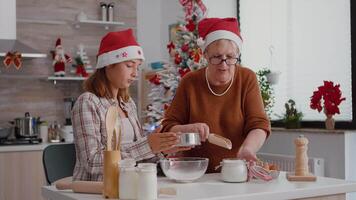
(183, 72)
(13, 58)
(185, 47)
(188, 7)
(190, 26)
(156, 79)
(170, 47)
(177, 59)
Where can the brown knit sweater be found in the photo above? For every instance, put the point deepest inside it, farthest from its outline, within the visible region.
(232, 115)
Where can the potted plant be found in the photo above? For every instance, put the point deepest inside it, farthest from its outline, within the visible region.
(292, 117)
(331, 94)
(266, 90)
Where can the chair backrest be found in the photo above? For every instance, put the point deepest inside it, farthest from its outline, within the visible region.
(58, 161)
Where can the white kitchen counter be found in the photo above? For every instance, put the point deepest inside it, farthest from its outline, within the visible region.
(30, 147)
(209, 187)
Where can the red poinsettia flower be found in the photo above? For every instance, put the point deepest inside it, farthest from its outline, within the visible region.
(331, 95)
(190, 26)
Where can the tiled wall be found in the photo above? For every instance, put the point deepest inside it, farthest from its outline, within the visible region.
(27, 89)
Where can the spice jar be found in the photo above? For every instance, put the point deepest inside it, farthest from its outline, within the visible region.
(111, 12)
(147, 181)
(103, 7)
(128, 179)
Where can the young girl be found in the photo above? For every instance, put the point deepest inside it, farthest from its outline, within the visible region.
(117, 67)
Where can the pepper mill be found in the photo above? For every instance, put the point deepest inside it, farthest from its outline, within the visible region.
(301, 157)
(301, 172)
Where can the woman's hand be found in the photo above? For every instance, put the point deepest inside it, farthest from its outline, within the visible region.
(162, 141)
(246, 154)
(201, 128)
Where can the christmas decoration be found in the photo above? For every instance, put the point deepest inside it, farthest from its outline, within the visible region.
(114, 50)
(13, 58)
(60, 59)
(82, 65)
(80, 69)
(331, 94)
(186, 56)
(85, 59)
(266, 89)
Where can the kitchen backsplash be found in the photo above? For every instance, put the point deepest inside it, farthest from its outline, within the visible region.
(27, 89)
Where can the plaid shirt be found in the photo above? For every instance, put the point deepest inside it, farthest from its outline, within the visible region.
(88, 117)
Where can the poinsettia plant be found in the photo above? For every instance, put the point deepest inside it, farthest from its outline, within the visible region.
(331, 95)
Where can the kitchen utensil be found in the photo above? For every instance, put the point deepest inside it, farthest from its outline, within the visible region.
(115, 140)
(111, 174)
(119, 139)
(189, 139)
(91, 187)
(184, 169)
(26, 126)
(110, 122)
(234, 170)
(193, 139)
(219, 141)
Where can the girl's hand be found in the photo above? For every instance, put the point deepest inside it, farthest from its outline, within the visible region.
(160, 142)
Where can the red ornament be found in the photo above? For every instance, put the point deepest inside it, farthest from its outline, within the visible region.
(81, 71)
(156, 79)
(183, 72)
(177, 59)
(185, 47)
(170, 46)
(13, 57)
(195, 54)
(190, 26)
(332, 98)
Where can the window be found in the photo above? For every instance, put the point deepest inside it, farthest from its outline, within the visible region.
(308, 41)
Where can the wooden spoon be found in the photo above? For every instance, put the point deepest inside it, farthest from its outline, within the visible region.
(220, 141)
(111, 117)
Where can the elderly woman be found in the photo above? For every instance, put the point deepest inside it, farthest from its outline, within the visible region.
(222, 98)
(119, 58)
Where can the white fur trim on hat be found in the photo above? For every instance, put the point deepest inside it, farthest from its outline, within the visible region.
(119, 55)
(222, 34)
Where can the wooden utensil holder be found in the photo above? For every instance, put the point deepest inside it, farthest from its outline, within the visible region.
(111, 174)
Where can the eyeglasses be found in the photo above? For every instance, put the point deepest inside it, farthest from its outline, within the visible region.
(218, 60)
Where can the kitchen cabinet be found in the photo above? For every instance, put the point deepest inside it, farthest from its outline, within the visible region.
(22, 175)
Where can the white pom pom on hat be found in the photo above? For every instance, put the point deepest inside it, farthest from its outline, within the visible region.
(212, 29)
(116, 47)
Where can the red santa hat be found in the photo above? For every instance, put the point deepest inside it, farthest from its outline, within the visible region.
(212, 29)
(117, 47)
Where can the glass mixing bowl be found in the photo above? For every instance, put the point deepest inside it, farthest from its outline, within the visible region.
(184, 169)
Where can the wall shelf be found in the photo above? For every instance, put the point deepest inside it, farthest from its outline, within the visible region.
(106, 24)
(65, 78)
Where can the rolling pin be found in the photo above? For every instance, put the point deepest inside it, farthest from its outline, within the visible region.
(90, 187)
